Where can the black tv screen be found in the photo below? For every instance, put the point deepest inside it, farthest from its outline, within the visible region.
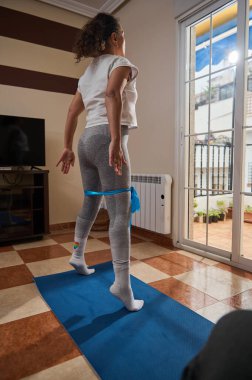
(22, 141)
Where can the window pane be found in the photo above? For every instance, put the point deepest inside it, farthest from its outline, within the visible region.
(200, 174)
(222, 100)
(247, 182)
(250, 29)
(199, 105)
(195, 217)
(196, 149)
(199, 40)
(187, 108)
(220, 162)
(220, 221)
(247, 227)
(248, 95)
(224, 37)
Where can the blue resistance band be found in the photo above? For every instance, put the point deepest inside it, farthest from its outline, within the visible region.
(135, 201)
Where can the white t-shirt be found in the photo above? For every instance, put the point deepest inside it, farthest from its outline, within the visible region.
(93, 84)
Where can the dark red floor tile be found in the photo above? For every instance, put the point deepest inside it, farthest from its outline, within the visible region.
(43, 253)
(32, 344)
(65, 238)
(14, 276)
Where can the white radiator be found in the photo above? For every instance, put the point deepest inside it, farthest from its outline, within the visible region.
(154, 191)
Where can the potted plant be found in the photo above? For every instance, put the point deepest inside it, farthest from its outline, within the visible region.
(196, 218)
(248, 214)
(230, 210)
(209, 218)
(195, 205)
(204, 217)
(222, 209)
(200, 216)
(215, 215)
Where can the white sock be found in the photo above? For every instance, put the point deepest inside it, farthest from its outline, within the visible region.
(122, 290)
(77, 259)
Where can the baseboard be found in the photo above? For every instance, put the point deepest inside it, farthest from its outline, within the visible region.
(161, 239)
(61, 226)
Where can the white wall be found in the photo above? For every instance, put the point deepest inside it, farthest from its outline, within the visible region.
(150, 44)
(65, 191)
(183, 6)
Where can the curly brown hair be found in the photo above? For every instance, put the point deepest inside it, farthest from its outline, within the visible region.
(92, 38)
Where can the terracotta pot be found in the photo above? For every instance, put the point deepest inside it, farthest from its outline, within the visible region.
(229, 212)
(247, 217)
(209, 219)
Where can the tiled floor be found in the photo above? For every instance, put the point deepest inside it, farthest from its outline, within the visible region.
(220, 235)
(35, 346)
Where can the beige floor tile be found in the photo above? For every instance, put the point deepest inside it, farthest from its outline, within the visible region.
(146, 273)
(51, 266)
(209, 261)
(8, 259)
(92, 245)
(214, 312)
(215, 282)
(191, 255)
(20, 302)
(240, 301)
(238, 271)
(34, 244)
(195, 257)
(75, 369)
(146, 250)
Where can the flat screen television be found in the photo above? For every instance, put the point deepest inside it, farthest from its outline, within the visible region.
(22, 141)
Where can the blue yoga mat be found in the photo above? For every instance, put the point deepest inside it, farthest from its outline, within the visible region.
(153, 344)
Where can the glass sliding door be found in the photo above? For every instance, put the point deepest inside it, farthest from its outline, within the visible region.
(209, 87)
(216, 159)
(246, 193)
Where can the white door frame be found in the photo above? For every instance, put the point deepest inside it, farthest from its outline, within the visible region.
(179, 207)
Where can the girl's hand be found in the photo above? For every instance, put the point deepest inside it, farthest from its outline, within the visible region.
(116, 157)
(67, 159)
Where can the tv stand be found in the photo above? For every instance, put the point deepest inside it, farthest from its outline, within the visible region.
(35, 168)
(24, 206)
(5, 168)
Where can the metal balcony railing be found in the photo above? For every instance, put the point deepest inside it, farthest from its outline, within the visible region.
(220, 163)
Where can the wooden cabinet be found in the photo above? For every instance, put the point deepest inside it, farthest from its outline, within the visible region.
(24, 210)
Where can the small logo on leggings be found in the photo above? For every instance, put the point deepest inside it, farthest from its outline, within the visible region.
(76, 245)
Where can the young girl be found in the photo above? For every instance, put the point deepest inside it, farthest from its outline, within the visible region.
(107, 91)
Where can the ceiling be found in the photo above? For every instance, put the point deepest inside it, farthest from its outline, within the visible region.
(87, 8)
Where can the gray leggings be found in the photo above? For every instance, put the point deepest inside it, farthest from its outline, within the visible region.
(97, 175)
